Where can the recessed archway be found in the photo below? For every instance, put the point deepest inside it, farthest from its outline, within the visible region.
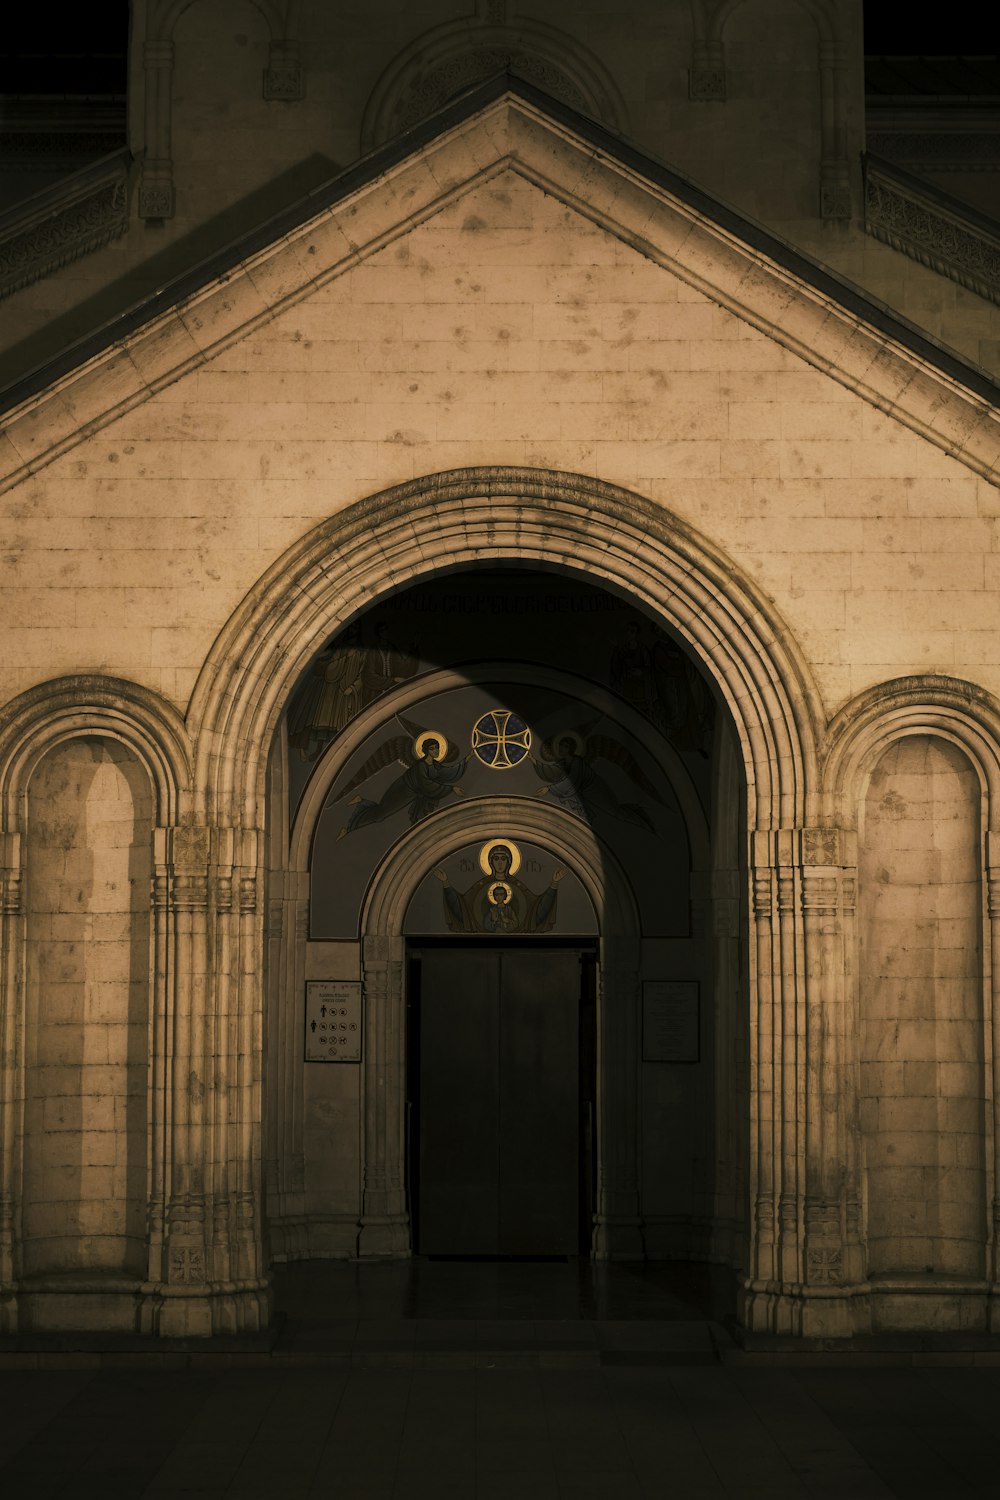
(555, 522)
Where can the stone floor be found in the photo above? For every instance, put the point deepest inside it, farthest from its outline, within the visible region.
(494, 1382)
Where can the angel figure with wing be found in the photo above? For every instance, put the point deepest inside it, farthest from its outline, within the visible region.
(432, 769)
(565, 764)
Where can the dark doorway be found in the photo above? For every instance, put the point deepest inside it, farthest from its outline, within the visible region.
(501, 1098)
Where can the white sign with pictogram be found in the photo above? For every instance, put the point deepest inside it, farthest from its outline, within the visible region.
(333, 1020)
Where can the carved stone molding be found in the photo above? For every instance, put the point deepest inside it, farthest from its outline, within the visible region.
(707, 73)
(933, 228)
(284, 78)
(64, 222)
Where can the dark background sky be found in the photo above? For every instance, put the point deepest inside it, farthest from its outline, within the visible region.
(86, 51)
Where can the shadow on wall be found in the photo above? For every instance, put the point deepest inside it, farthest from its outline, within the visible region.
(86, 1038)
(922, 1063)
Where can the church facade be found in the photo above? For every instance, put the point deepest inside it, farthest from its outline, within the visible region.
(500, 745)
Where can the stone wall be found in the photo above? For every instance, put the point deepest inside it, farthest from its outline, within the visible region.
(237, 110)
(922, 1091)
(87, 1020)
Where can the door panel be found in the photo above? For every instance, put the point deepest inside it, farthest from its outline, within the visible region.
(498, 1103)
(539, 1124)
(459, 1117)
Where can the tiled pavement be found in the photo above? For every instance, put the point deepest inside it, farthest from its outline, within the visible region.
(391, 1399)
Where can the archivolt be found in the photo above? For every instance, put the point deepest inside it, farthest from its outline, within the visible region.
(406, 698)
(568, 838)
(69, 707)
(543, 519)
(959, 711)
(450, 58)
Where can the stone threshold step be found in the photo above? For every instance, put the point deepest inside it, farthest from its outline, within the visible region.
(396, 1359)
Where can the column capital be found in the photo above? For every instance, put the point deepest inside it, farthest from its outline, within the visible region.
(820, 847)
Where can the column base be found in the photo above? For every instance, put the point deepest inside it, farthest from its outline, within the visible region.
(8, 1310)
(866, 1310)
(617, 1239)
(228, 1310)
(929, 1305)
(384, 1238)
(95, 1304)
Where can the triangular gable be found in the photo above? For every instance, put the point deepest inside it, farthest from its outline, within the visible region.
(507, 125)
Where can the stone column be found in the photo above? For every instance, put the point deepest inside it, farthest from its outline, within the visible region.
(156, 183)
(11, 1047)
(834, 1253)
(835, 180)
(992, 1059)
(385, 1224)
(618, 1218)
(288, 931)
(777, 1031)
(207, 1098)
(179, 1302)
(728, 1229)
(805, 1253)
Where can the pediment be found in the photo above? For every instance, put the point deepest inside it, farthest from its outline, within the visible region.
(445, 168)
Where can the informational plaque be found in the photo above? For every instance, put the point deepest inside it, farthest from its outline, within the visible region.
(333, 1020)
(670, 1021)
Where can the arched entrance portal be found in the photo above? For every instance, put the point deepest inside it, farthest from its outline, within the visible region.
(794, 1209)
(505, 832)
(526, 1050)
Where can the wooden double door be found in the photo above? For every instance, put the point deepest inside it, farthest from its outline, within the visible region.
(501, 1099)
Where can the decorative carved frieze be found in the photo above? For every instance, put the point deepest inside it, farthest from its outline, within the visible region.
(63, 223)
(707, 73)
(825, 1265)
(931, 227)
(820, 846)
(187, 1264)
(283, 77)
(707, 85)
(189, 846)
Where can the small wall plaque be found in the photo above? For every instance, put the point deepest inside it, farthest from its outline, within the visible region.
(670, 1021)
(333, 1020)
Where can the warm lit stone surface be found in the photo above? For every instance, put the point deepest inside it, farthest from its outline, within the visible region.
(513, 348)
(922, 1105)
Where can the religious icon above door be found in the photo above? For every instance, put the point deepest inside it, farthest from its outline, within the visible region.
(500, 739)
(433, 769)
(500, 903)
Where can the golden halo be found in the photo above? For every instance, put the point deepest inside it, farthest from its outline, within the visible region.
(484, 855)
(499, 885)
(431, 734)
(575, 739)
